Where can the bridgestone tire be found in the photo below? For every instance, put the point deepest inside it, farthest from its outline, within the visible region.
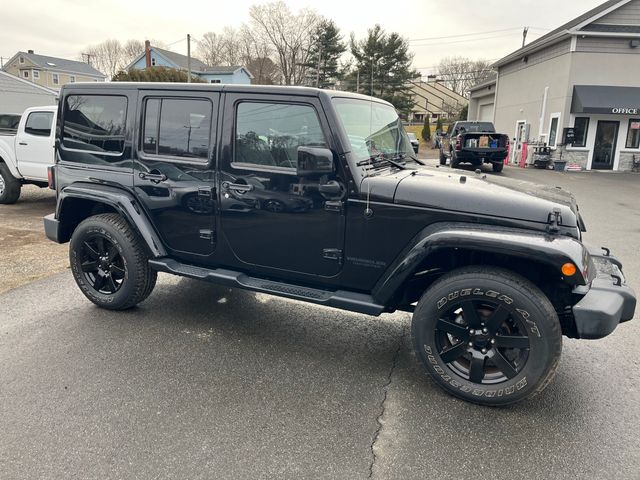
(138, 279)
(525, 307)
(443, 158)
(9, 186)
(497, 167)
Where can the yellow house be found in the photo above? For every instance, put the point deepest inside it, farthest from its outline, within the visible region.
(51, 72)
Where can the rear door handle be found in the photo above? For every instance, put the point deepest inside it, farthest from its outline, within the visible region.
(237, 187)
(154, 177)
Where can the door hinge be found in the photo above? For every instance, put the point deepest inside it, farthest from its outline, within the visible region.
(332, 254)
(205, 192)
(333, 206)
(206, 235)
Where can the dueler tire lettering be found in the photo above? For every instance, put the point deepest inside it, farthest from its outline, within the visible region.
(139, 279)
(487, 335)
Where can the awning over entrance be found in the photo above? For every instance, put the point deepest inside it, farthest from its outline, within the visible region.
(605, 100)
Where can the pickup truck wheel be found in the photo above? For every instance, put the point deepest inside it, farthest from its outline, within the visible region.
(109, 263)
(9, 186)
(443, 158)
(497, 166)
(487, 335)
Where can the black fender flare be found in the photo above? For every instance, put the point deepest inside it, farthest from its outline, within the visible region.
(122, 201)
(552, 250)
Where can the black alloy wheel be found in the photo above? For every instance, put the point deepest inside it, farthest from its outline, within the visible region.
(487, 335)
(482, 341)
(102, 265)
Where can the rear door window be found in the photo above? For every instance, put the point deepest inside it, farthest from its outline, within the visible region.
(177, 127)
(95, 123)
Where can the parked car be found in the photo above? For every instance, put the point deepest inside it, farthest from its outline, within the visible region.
(415, 143)
(25, 151)
(494, 271)
(475, 143)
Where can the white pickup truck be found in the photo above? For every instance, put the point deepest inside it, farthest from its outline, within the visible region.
(26, 153)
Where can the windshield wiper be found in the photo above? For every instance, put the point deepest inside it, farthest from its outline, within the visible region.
(375, 160)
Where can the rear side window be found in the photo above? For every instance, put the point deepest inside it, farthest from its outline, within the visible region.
(39, 123)
(95, 123)
(177, 127)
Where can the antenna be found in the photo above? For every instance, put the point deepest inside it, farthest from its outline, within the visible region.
(524, 35)
(368, 213)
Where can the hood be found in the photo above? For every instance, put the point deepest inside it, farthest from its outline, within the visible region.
(476, 194)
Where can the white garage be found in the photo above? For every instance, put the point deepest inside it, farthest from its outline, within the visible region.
(17, 94)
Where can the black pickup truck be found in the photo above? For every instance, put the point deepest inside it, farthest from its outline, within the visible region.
(317, 196)
(475, 143)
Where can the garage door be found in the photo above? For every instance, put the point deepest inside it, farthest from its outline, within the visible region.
(486, 113)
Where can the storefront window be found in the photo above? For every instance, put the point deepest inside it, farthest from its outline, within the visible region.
(580, 130)
(633, 134)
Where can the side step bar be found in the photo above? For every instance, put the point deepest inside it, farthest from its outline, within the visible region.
(355, 302)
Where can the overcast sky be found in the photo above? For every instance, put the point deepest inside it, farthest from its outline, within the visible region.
(62, 28)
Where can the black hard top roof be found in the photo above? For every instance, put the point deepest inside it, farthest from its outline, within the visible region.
(212, 87)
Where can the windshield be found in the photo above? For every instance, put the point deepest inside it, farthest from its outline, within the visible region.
(374, 129)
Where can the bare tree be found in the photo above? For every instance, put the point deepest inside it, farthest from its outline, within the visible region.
(460, 73)
(255, 54)
(130, 50)
(208, 49)
(289, 35)
(106, 56)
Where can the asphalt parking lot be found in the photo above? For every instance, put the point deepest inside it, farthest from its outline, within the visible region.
(201, 381)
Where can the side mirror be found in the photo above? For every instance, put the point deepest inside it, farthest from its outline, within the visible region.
(314, 161)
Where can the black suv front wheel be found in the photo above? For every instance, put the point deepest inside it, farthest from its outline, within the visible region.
(487, 335)
(109, 263)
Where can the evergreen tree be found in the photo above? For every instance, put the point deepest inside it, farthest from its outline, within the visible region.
(383, 63)
(426, 129)
(325, 52)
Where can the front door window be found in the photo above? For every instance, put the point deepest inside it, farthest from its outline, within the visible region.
(604, 149)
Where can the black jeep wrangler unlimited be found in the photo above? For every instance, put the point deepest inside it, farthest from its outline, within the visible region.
(317, 196)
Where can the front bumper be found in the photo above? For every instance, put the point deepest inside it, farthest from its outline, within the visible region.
(52, 227)
(607, 302)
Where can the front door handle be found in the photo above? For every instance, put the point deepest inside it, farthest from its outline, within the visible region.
(154, 177)
(23, 143)
(237, 187)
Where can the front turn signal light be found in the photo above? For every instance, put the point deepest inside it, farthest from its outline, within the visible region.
(569, 269)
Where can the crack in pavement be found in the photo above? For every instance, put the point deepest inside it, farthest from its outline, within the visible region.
(376, 435)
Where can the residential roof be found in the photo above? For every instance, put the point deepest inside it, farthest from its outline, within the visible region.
(177, 59)
(226, 70)
(60, 64)
(562, 31)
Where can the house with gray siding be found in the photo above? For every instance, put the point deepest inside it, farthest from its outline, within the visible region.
(159, 57)
(581, 78)
(17, 94)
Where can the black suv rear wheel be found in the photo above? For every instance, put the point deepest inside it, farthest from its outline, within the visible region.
(487, 335)
(109, 263)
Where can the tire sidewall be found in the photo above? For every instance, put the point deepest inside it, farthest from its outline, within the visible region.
(85, 230)
(12, 186)
(542, 338)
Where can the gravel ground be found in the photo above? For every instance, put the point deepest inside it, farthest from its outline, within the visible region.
(27, 254)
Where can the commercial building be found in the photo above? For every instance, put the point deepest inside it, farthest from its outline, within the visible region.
(583, 76)
(433, 99)
(16, 94)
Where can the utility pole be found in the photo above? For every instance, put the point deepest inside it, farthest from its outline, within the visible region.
(372, 63)
(318, 69)
(358, 81)
(188, 58)
(524, 35)
(88, 55)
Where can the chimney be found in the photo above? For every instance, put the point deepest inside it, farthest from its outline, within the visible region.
(431, 78)
(29, 51)
(147, 53)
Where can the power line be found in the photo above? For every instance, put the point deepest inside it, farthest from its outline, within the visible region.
(463, 34)
(468, 40)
